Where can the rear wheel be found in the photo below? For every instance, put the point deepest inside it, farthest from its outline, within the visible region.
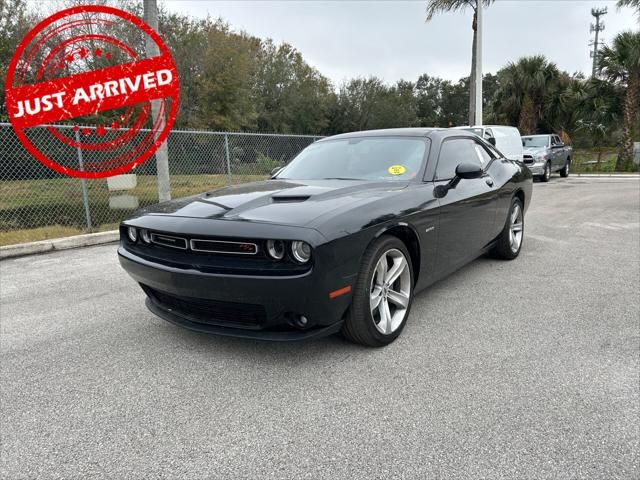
(510, 239)
(383, 294)
(547, 173)
(564, 173)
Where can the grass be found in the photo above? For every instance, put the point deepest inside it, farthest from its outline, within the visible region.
(26, 193)
(585, 161)
(33, 210)
(12, 237)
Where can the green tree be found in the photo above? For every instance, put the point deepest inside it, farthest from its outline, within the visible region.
(293, 96)
(15, 21)
(525, 89)
(226, 96)
(395, 107)
(429, 100)
(441, 103)
(188, 39)
(620, 64)
(630, 3)
(434, 7)
(595, 108)
(355, 104)
(563, 109)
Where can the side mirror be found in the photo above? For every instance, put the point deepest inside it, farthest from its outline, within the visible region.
(275, 171)
(464, 170)
(468, 170)
(492, 141)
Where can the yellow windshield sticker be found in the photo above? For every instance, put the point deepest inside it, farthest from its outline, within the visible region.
(396, 170)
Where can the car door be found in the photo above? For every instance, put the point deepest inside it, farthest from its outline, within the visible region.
(468, 211)
(557, 151)
(562, 152)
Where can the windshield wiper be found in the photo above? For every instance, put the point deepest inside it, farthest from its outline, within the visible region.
(340, 178)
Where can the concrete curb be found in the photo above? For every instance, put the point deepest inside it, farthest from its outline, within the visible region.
(606, 175)
(77, 241)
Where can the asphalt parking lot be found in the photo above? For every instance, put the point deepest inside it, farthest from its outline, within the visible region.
(525, 369)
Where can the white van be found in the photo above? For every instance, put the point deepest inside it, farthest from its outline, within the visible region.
(506, 139)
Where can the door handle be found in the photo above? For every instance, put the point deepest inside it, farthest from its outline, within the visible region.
(489, 181)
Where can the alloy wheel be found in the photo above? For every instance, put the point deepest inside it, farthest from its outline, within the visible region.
(516, 228)
(390, 291)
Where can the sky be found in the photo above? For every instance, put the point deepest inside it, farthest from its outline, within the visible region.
(391, 40)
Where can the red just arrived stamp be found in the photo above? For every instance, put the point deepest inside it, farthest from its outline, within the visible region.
(80, 80)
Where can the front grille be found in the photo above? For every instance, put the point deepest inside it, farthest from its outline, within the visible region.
(169, 241)
(527, 158)
(211, 312)
(219, 246)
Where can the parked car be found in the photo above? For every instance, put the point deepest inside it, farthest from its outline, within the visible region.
(340, 239)
(506, 139)
(544, 154)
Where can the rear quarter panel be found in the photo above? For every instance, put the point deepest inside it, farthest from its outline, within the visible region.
(512, 176)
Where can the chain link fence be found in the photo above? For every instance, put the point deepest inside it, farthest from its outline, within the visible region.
(37, 202)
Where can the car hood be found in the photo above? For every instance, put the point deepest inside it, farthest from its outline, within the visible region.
(283, 202)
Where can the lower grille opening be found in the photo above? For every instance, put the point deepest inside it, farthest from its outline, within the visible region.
(212, 312)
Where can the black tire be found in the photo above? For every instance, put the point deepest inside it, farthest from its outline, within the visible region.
(564, 173)
(547, 173)
(503, 248)
(359, 325)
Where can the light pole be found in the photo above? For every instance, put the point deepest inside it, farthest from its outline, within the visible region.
(162, 158)
(478, 72)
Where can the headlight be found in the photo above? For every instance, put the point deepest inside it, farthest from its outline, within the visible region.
(275, 249)
(144, 235)
(301, 251)
(541, 156)
(132, 234)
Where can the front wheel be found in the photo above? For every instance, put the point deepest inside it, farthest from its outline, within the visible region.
(510, 239)
(383, 294)
(547, 173)
(564, 173)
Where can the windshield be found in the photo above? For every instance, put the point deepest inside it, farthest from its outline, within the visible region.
(535, 141)
(358, 158)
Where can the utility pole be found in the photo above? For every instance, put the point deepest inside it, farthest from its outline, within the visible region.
(479, 64)
(162, 157)
(597, 28)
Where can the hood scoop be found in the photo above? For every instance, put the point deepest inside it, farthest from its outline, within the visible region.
(290, 198)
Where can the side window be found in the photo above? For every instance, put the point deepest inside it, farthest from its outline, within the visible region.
(452, 153)
(483, 156)
(494, 152)
(554, 140)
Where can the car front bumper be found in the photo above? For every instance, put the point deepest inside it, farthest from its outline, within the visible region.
(259, 307)
(537, 168)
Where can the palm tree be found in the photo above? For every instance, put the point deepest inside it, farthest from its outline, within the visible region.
(630, 3)
(526, 87)
(435, 7)
(620, 64)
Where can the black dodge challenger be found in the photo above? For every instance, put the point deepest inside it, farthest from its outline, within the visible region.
(340, 239)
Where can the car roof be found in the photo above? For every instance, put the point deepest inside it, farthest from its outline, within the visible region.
(484, 126)
(400, 132)
(539, 135)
